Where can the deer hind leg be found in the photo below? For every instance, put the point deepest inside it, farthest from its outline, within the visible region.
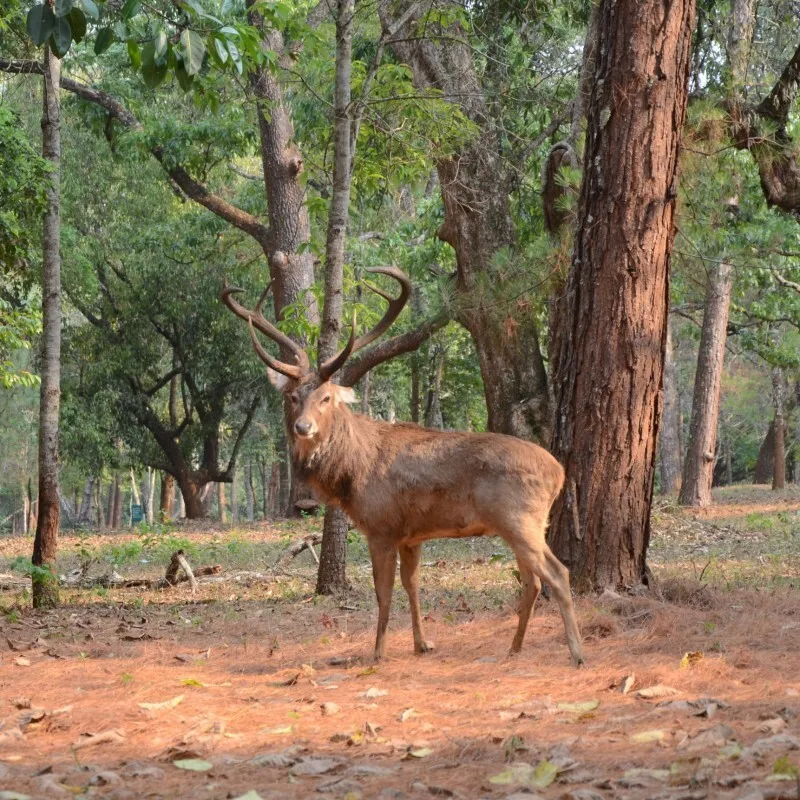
(384, 566)
(533, 553)
(409, 574)
(531, 586)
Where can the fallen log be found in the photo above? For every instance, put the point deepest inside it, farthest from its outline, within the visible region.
(294, 549)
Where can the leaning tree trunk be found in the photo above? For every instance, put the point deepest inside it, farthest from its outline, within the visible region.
(779, 472)
(608, 384)
(698, 469)
(45, 544)
(478, 225)
(670, 442)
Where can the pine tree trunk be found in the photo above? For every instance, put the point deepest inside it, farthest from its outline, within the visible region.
(167, 493)
(45, 544)
(670, 442)
(765, 466)
(779, 472)
(698, 469)
(332, 576)
(611, 361)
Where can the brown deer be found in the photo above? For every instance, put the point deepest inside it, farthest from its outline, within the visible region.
(402, 484)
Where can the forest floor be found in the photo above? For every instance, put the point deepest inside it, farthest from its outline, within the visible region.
(252, 687)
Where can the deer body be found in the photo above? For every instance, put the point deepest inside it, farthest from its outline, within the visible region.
(403, 485)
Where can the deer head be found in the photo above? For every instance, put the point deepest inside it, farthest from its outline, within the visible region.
(312, 395)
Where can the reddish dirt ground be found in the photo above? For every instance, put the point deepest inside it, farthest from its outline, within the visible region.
(254, 673)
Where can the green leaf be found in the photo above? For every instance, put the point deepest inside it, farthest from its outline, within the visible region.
(235, 56)
(185, 80)
(90, 8)
(193, 764)
(62, 7)
(544, 774)
(153, 74)
(131, 8)
(77, 21)
(61, 37)
(194, 50)
(104, 40)
(222, 51)
(160, 43)
(135, 54)
(40, 24)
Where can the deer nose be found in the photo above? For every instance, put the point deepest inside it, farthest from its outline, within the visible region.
(302, 427)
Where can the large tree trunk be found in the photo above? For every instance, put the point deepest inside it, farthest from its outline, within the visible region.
(331, 575)
(85, 512)
(698, 469)
(478, 225)
(670, 443)
(779, 472)
(45, 544)
(612, 355)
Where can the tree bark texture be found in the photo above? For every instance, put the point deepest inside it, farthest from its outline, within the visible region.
(608, 387)
(478, 225)
(235, 497)
(116, 516)
(331, 575)
(779, 461)
(433, 407)
(167, 494)
(249, 494)
(698, 468)
(223, 513)
(670, 443)
(45, 544)
(765, 466)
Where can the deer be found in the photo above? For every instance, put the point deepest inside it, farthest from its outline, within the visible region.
(402, 484)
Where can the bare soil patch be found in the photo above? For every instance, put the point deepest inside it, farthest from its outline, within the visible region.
(275, 690)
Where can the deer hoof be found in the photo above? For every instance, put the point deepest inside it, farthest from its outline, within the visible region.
(424, 647)
(578, 662)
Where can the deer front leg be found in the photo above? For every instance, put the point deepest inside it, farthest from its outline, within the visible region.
(409, 574)
(384, 566)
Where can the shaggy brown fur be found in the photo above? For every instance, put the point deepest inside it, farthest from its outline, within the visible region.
(402, 485)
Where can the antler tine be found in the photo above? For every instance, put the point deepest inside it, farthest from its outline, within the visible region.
(396, 304)
(257, 319)
(289, 370)
(334, 364)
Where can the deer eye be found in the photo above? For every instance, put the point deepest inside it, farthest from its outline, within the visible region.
(326, 399)
(294, 399)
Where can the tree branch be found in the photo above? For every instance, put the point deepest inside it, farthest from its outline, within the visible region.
(193, 189)
(391, 348)
(777, 104)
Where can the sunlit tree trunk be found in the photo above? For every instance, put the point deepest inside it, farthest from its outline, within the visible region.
(167, 494)
(698, 468)
(45, 545)
(610, 368)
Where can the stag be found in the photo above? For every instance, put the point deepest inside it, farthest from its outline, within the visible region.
(402, 484)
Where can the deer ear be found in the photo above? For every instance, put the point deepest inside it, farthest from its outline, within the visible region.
(345, 394)
(280, 382)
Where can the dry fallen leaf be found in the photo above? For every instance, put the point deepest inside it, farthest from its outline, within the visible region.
(419, 752)
(329, 709)
(690, 659)
(21, 661)
(372, 693)
(659, 690)
(106, 737)
(193, 764)
(579, 708)
(648, 736)
(167, 704)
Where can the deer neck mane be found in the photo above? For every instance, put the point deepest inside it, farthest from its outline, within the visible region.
(338, 464)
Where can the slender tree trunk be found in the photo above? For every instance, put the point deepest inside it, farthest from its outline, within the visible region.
(26, 510)
(415, 398)
(698, 469)
(204, 493)
(275, 490)
(765, 466)
(611, 362)
(98, 503)
(365, 386)
(85, 513)
(109, 516)
(45, 544)
(671, 423)
(223, 515)
(728, 462)
(779, 473)
(331, 576)
(249, 493)
(31, 523)
(433, 408)
(116, 521)
(167, 493)
(264, 474)
(235, 497)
